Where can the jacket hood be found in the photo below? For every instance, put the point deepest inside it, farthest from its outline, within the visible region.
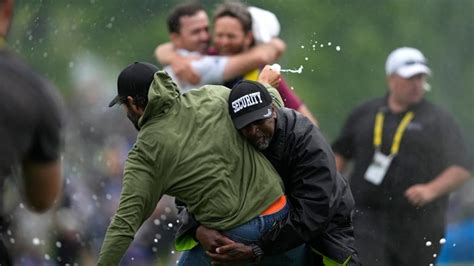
(162, 95)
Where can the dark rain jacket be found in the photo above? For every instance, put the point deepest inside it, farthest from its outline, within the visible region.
(320, 198)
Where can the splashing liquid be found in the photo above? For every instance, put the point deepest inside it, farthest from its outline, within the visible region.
(277, 68)
(297, 71)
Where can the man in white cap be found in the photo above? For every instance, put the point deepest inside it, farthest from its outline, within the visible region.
(408, 156)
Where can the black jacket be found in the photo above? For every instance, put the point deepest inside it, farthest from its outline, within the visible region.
(320, 198)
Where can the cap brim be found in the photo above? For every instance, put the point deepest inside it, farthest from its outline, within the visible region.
(412, 70)
(114, 101)
(243, 120)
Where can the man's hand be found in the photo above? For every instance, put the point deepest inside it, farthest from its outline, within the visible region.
(211, 239)
(182, 69)
(420, 195)
(235, 252)
(269, 76)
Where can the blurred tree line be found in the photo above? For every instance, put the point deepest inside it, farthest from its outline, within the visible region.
(54, 35)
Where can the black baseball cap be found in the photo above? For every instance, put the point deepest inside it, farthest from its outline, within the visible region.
(249, 101)
(134, 80)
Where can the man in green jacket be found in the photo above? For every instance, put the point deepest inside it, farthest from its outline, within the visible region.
(186, 148)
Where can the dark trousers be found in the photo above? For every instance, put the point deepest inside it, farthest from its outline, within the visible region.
(4, 257)
(381, 240)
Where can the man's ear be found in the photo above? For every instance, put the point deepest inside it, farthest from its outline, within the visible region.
(274, 110)
(133, 106)
(131, 103)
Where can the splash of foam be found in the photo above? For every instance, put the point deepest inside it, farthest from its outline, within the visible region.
(297, 71)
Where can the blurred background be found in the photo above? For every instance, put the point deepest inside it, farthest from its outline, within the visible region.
(342, 45)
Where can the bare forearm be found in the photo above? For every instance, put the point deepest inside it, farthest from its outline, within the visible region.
(257, 56)
(42, 184)
(165, 53)
(449, 180)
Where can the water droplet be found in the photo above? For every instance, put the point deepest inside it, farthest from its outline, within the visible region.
(156, 222)
(46, 257)
(321, 45)
(442, 241)
(338, 48)
(329, 43)
(302, 46)
(36, 241)
(428, 243)
(167, 209)
(170, 225)
(172, 251)
(454, 244)
(155, 240)
(163, 217)
(132, 258)
(94, 197)
(306, 58)
(154, 249)
(435, 255)
(22, 206)
(58, 244)
(108, 196)
(12, 240)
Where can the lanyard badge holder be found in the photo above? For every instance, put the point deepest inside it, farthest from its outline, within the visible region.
(381, 162)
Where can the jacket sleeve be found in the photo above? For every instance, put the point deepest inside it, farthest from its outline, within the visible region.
(276, 97)
(311, 190)
(140, 194)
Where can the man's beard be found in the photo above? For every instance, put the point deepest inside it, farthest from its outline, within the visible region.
(134, 119)
(262, 143)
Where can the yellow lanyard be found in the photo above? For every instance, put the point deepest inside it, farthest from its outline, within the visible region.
(398, 135)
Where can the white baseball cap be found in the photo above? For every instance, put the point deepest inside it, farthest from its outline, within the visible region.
(406, 62)
(265, 24)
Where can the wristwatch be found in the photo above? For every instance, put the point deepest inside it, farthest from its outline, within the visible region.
(257, 252)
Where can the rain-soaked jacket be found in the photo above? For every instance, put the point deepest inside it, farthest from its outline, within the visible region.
(187, 147)
(320, 198)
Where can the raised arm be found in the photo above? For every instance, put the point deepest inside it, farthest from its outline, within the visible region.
(166, 54)
(259, 55)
